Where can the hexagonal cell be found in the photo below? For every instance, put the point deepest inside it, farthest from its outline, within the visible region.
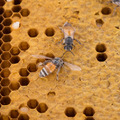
(23, 117)
(23, 72)
(7, 13)
(1, 10)
(16, 16)
(32, 67)
(7, 30)
(32, 32)
(32, 103)
(49, 32)
(5, 91)
(99, 22)
(23, 108)
(1, 42)
(89, 111)
(5, 73)
(15, 59)
(7, 38)
(24, 81)
(6, 46)
(4, 117)
(1, 51)
(89, 118)
(5, 82)
(101, 57)
(14, 85)
(42, 108)
(1, 34)
(24, 46)
(25, 12)
(50, 55)
(16, 8)
(14, 113)
(5, 100)
(16, 2)
(6, 56)
(15, 51)
(0, 60)
(5, 64)
(7, 22)
(106, 11)
(1, 19)
(1, 26)
(51, 94)
(2, 2)
(70, 112)
(100, 47)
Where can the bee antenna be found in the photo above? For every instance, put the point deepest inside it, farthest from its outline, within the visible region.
(72, 53)
(63, 54)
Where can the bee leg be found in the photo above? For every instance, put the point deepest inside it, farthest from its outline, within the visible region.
(60, 40)
(58, 72)
(114, 11)
(78, 41)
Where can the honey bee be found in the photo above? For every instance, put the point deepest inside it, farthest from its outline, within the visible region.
(51, 64)
(68, 31)
(117, 2)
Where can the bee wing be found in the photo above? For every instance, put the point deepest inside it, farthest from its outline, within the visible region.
(41, 57)
(73, 67)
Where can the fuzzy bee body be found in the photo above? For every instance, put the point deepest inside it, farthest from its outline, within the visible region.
(117, 2)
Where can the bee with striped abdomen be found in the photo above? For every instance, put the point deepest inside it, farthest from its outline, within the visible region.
(51, 64)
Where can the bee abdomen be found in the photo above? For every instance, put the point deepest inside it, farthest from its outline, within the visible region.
(43, 73)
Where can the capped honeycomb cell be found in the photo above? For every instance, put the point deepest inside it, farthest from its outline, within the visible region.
(42, 108)
(15, 51)
(16, 8)
(7, 13)
(24, 81)
(14, 113)
(1, 26)
(32, 103)
(16, 2)
(15, 59)
(7, 22)
(5, 91)
(6, 56)
(5, 82)
(4, 117)
(101, 57)
(23, 108)
(14, 85)
(23, 72)
(5, 64)
(5, 100)
(24, 46)
(6, 46)
(1, 34)
(106, 11)
(7, 30)
(99, 22)
(23, 117)
(32, 32)
(1, 19)
(70, 112)
(101, 48)
(25, 12)
(5, 73)
(2, 2)
(89, 111)
(49, 32)
(32, 67)
(7, 38)
(89, 118)
(1, 10)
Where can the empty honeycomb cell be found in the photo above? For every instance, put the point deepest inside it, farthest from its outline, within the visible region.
(5, 91)
(16, 2)
(7, 13)
(15, 51)
(1, 10)
(16, 16)
(106, 11)
(5, 100)
(23, 117)
(5, 64)
(6, 56)
(70, 112)
(15, 59)
(24, 72)
(25, 12)
(7, 38)
(99, 22)
(5, 73)
(32, 103)
(14, 113)
(89, 118)
(32, 32)
(7, 22)
(24, 81)
(0, 51)
(1, 42)
(42, 108)
(32, 67)
(49, 32)
(101, 48)
(89, 111)
(1, 26)
(1, 34)
(0, 60)
(50, 55)
(101, 57)
(4, 117)
(5, 82)
(24, 46)
(117, 27)
(7, 30)
(16, 8)
(2, 2)
(14, 85)
(1, 19)
(6, 46)
(51, 94)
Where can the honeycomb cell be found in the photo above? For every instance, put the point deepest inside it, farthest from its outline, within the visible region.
(5, 64)
(2, 2)
(15, 51)
(14, 85)
(25, 12)
(16, 8)
(24, 81)
(5, 100)
(14, 113)
(15, 59)
(32, 32)
(7, 30)
(50, 55)
(1, 10)
(4, 117)
(49, 32)
(23, 72)
(32, 103)
(7, 13)
(0, 60)
(6, 46)
(51, 94)
(5, 73)
(99, 22)
(0, 51)
(7, 38)
(23, 117)
(16, 2)
(42, 108)
(1, 34)
(1, 19)
(32, 67)
(6, 56)
(1, 26)
(5, 91)
(70, 112)
(7, 22)
(24, 46)
(106, 11)
(1, 42)
(100, 48)
(16, 16)
(101, 57)
(5, 82)
(89, 118)
(23, 108)
(89, 111)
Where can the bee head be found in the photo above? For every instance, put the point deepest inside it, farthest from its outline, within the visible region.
(68, 48)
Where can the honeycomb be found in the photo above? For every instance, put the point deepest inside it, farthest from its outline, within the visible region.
(90, 94)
